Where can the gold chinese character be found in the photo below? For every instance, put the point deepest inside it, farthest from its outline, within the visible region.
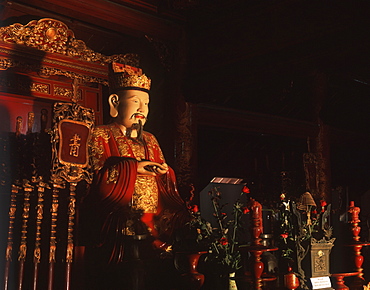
(75, 146)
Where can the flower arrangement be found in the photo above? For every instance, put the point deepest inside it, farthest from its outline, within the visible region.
(223, 250)
(221, 242)
(300, 222)
(197, 233)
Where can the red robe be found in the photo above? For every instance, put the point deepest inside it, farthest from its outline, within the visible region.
(108, 205)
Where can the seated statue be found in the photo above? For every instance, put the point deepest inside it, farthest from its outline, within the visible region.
(133, 196)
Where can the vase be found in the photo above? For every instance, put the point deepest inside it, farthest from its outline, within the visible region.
(193, 279)
(291, 281)
(232, 282)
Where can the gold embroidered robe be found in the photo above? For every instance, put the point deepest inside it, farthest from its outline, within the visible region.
(118, 192)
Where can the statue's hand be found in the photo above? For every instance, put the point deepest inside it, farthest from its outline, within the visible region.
(151, 168)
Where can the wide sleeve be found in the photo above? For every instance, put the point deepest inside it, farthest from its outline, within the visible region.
(114, 176)
(114, 183)
(104, 211)
(173, 213)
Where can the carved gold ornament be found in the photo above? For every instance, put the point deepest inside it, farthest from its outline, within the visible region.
(22, 252)
(37, 254)
(6, 63)
(69, 254)
(8, 253)
(49, 71)
(52, 251)
(64, 92)
(28, 188)
(72, 206)
(54, 36)
(12, 210)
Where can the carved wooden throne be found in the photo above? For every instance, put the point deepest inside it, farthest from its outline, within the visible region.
(51, 87)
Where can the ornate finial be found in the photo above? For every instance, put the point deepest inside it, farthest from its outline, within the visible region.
(30, 121)
(257, 223)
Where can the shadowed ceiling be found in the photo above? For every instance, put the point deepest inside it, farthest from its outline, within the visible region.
(266, 57)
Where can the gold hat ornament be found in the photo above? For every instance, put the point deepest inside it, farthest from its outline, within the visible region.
(125, 77)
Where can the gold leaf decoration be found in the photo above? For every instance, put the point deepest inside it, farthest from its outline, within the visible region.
(54, 36)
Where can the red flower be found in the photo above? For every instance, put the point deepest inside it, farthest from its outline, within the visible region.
(245, 210)
(224, 241)
(284, 236)
(246, 189)
(323, 204)
(194, 208)
(314, 212)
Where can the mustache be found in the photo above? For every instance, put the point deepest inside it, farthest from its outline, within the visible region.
(138, 116)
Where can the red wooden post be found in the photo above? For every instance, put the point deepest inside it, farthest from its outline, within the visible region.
(357, 246)
(257, 248)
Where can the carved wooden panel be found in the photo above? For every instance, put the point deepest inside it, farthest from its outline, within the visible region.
(40, 60)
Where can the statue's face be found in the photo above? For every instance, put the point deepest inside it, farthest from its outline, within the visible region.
(132, 107)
